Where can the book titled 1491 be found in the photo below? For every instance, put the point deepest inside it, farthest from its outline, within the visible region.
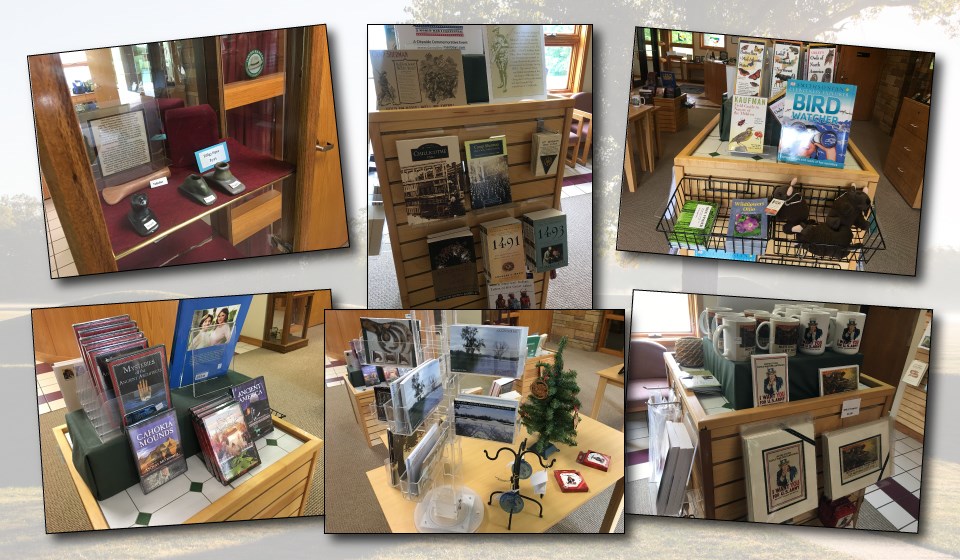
(505, 242)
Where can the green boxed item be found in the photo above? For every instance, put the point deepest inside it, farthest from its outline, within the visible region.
(804, 372)
(685, 236)
(108, 468)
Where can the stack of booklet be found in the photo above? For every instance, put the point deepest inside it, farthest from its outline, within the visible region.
(676, 470)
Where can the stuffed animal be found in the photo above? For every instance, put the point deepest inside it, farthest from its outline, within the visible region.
(849, 209)
(795, 210)
(824, 241)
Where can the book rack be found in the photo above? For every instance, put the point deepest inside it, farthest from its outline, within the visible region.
(517, 121)
(718, 470)
(777, 247)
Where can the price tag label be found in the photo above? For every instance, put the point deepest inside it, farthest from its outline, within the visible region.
(150, 224)
(208, 157)
(775, 205)
(850, 408)
(209, 199)
(159, 182)
(700, 216)
(235, 184)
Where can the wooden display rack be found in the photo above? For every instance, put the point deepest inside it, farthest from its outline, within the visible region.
(279, 490)
(718, 474)
(912, 411)
(517, 121)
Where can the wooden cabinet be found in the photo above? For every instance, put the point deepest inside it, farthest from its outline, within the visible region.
(906, 158)
(671, 113)
(715, 81)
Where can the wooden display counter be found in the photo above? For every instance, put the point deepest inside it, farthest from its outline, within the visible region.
(718, 471)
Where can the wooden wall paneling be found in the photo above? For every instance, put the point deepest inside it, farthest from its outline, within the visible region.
(66, 167)
(517, 121)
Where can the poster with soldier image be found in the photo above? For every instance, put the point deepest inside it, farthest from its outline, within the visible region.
(413, 79)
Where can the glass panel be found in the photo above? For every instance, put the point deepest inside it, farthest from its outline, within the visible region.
(615, 335)
(681, 37)
(646, 34)
(657, 312)
(237, 49)
(559, 29)
(257, 125)
(558, 66)
(714, 40)
(683, 51)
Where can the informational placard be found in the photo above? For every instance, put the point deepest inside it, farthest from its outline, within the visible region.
(851, 407)
(208, 157)
(412, 79)
(121, 142)
(516, 63)
(820, 63)
(468, 39)
(786, 65)
(749, 67)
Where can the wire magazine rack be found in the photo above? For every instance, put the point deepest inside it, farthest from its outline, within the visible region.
(773, 246)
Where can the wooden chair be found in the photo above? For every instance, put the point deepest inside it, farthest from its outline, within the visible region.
(646, 373)
(581, 129)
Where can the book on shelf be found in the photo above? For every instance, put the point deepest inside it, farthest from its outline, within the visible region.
(205, 336)
(748, 119)
(544, 153)
(517, 294)
(226, 442)
(533, 345)
(157, 449)
(433, 180)
(501, 243)
(545, 239)
(915, 373)
(694, 225)
(750, 60)
(488, 171)
(816, 123)
(747, 228)
(252, 397)
(140, 382)
(485, 417)
(700, 381)
(453, 263)
(370, 375)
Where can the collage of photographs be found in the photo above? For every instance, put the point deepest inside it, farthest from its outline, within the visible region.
(485, 384)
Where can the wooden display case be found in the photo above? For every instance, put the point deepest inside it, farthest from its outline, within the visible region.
(295, 308)
(671, 113)
(517, 121)
(717, 481)
(280, 490)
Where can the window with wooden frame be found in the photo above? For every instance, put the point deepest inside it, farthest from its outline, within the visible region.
(566, 54)
(681, 42)
(713, 41)
(663, 315)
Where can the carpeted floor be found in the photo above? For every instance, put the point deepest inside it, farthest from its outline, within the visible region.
(295, 387)
(566, 291)
(352, 506)
(640, 210)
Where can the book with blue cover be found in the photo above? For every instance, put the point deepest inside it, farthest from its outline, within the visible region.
(816, 123)
(252, 397)
(206, 335)
(157, 450)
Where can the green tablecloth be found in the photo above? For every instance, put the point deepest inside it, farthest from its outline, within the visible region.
(735, 377)
(108, 467)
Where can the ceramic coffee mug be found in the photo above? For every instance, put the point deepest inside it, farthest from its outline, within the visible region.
(849, 327)
(705, 321)
(739, 338)
(752, 312)
(720, 316)
(816, 331)
(831, 310)
(761, 317)
(788, 311)
(784, 333)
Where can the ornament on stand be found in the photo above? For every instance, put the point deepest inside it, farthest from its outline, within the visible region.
(511, 501)
(552, 412)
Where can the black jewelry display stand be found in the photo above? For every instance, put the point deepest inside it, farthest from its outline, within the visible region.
(515, 476)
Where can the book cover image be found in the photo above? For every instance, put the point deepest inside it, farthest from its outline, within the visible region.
(545, 152)
(839, 379)
(749, 68)
(488, 172)
(748, 117)
(412, 79)
(545, 239)
(771, 382)
(156, 446)
(206, 334)
(503, 254)
(389, 342)
(141, 383)
(518, 294)
(816, 123)
(821, 60)
(784, 475)
(252, 398)
(786, 65)
(747, 228)
(433, 182)
(694, 225)
(231, 445)
(453, 261)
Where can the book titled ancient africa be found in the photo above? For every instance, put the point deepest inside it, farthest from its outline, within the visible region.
(156, 447)
(252, 397)
(140, 382)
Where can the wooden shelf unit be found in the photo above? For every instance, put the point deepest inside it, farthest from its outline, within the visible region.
(517, 121)
(718, 470)
(671, 114)
(912, 410)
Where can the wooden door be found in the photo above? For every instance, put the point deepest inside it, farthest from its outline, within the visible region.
(321, 221)
(861, 66)
(887, 335)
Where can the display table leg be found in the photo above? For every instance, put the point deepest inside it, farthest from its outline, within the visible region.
(614, 509)
(628, 163)
(598, 400)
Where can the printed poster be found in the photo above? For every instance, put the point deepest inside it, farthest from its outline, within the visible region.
(516, 63)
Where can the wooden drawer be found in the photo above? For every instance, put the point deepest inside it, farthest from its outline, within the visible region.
(909, 146)
(914, 117)
(906, 176)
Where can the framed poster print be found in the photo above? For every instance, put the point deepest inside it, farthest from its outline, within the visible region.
(516, 62)
(839, 379)
(781, 471)
(771, 381)
(854, 458)
(414, 79)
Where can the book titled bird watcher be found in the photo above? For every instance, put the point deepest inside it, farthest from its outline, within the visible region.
(816, 123)
(747, 120)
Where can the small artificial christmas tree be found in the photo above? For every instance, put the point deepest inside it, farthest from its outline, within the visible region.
(552, 408)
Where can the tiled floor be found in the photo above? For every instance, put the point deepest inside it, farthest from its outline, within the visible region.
(332, 371)
(898, 498)
(49, 397)
(581, 188)
(183, 497)
(61, 260)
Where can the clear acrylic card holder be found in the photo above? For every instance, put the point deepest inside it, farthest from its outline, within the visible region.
(211, 349)
(104, 416)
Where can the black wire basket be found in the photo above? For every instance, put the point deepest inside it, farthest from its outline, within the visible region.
(772, 245)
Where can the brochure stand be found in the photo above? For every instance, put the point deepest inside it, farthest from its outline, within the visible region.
(207, 358)
(104, 415)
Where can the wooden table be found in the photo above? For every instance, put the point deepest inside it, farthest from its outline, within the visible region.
(643, 137)
(364, 410)
(610, 375)
(480, 475)
(280, 490)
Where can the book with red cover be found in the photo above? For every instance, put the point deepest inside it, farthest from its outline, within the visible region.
(570, 481)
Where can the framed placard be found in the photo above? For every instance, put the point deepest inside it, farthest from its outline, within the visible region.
(780, 465)
(516, 62)
(207, 158)
(414, 79)
(854, 458)
(120, 141)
